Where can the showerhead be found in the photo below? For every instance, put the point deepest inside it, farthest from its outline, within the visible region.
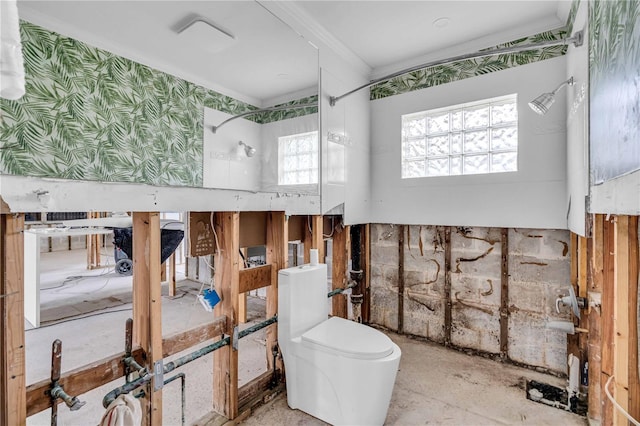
(542, 103)
(248, 150)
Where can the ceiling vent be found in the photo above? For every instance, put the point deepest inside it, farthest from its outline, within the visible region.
(201, 32)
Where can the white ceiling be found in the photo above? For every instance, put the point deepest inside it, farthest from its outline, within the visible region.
(268, 59)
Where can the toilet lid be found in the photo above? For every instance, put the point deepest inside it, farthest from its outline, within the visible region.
(349, 338)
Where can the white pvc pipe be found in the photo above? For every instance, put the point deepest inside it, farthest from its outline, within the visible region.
(11, 61)
(615, 403)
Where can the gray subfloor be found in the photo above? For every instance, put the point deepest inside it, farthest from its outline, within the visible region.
(434, 385)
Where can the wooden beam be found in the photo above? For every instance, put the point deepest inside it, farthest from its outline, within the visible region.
(80, 380)
(621, 317)
(172, 274)
(147, 305)
(317, 237)
(573, 339)
(12, 352)
(634, 380)
(255, 278)
(308, 239)
(98, 373)
(582, 267)
(595, 323)
(504, 293)
(366, 267)
(400, 278)
(607, 317)
(227, 277)
(339, 273)
(180, 341)
(277, 253)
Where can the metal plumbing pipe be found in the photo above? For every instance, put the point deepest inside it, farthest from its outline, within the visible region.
(337, 291)
(170, 366)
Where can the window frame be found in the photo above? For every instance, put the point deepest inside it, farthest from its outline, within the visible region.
(426, 137)
(313, 152)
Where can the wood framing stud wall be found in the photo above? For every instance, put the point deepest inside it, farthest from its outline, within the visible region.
(317, 238)
(339, 266)
(277, 253)
(227, 279)
(147, 305)
(12, 352)
(613, 332)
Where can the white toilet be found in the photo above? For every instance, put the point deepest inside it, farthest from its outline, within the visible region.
(339, 371)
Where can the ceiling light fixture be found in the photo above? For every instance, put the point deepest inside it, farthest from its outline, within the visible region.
(542, 103)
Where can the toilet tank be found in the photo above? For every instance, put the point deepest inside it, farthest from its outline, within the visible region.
(302, 299)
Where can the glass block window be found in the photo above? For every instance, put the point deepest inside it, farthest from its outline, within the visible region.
(298, 159)
(466, 139)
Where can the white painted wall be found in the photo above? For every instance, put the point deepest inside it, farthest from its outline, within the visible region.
(340, 70)
(578, 126)
(224, 163)
(346, 185)
(533, 197)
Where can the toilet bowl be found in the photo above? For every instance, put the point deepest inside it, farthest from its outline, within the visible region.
(339, 371)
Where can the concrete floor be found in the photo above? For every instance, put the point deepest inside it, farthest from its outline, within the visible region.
(434, 385)
(440, 386)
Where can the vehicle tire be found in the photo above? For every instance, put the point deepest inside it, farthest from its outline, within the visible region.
(124, 267)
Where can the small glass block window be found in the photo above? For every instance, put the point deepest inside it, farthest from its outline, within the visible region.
(474, 138)
(298, 159)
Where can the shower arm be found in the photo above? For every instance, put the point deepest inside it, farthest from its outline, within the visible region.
(577, 39)
(259, 111)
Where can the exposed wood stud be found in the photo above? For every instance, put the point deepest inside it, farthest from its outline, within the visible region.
(317, 236)
(401, 278)
(607, 318)
(147, 304)
(308, 238)
(88, 377)
(339, 272)
(595, 332)
(277, 253)
(634, 380)
(227, 277)
(255, 278)
(504, 293)
(366, 267)
(12, 350)
(447, 286)
(621, 317)
(573, 339)
(172, 274)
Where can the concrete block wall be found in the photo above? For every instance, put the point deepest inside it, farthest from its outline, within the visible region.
(539, 271)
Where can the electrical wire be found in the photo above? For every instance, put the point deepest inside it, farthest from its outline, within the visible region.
(615, 403)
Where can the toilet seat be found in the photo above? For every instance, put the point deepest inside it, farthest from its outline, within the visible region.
(348, 338)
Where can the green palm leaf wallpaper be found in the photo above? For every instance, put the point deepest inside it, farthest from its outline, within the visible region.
(442, 74)
(91, 115)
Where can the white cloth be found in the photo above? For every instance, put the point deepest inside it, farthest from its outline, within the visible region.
(124, 411)
(11, 61)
